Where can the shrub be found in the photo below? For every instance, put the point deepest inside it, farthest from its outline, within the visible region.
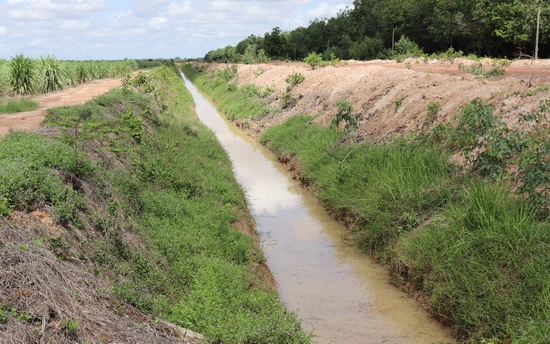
(295, 79)
(313, 59)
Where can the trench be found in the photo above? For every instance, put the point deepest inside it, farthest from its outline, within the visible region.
(339, 294)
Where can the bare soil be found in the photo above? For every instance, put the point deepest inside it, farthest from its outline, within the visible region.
(30, 120)
(391, 98)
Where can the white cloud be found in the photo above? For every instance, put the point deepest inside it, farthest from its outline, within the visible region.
(47, 10)
(157, 23)
(109, 29)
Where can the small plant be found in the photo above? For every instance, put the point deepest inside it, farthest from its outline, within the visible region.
(398, 104)
(250, 90)
(295, 79)
(313, 59)
(292, 80)
(21, 105)
(69, 326)
(267, 91)
(287, 99)
(6, 311)
(478, 69)
(259, 71)
(232, 87)
(136, 128)
(433, 110)
(126, 83)
(227, 73)
(451, 54)
(344, 114)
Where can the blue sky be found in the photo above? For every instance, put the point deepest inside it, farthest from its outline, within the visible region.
(117, 29)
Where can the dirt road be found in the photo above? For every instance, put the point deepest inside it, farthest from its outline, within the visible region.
(30, 120)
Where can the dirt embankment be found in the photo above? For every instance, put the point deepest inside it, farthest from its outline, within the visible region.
(391, 98)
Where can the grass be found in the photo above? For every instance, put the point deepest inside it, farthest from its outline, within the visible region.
(248, 105)
(476, 253)
(175, 182)
(18, 105)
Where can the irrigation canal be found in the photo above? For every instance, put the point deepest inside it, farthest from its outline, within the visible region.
(340, 295)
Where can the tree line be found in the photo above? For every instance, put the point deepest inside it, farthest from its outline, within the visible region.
(370, 29)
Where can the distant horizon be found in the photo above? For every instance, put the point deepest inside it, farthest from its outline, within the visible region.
(119, 29)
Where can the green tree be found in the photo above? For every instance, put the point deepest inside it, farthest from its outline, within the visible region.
(276, 44)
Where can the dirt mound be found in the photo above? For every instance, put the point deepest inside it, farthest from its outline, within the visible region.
(392, 98)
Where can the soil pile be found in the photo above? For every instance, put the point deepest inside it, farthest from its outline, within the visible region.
(391, 98)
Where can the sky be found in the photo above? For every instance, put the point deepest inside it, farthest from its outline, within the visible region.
(118, 29)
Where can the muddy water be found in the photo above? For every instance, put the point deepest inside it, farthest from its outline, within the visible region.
(341, 296)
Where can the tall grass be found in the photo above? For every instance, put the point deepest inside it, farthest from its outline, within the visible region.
(484, 266)
(381, 192)
(50, 75)
(22, 75)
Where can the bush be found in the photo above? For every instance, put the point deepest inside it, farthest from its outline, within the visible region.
(313, 59)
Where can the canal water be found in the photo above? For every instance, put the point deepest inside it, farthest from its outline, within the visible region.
(339, 294)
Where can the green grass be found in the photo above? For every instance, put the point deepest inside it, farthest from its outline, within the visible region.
(380, 191)
(18, 105)
(232, 101)
(484, 265)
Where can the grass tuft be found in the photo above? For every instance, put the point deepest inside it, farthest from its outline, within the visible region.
(18, 105)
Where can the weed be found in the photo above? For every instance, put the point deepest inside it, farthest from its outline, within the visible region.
(19, 105)
(295, 79)
(344, 114)
(227, 73)
(433, 110)
(478, 69)
(69, 326)
(267, 91)
(292, 80)
(398, 104)
(313, 59)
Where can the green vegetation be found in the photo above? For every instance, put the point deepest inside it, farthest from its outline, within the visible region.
(345, 114)
(23, 75)
(314, 60)
(18, 105)
(136, 163)
(295, 79)
(233, 102)
(473, 243)
(478, 69)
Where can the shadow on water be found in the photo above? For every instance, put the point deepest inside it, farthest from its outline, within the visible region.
(339, 294)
